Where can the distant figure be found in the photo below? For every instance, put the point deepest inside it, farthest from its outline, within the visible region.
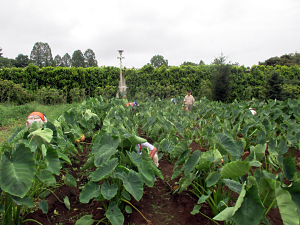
(188, 101)
(253, 111)
(35, 117)
(174, 100)
(153, 151)
(132, 104)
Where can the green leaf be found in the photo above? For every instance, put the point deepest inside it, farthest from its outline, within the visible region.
(53, 162)
(89, 163)
(289, 167)
(104, 170)
(18, 134)
(259, 151)
(294, 191)
(233, 185)
(287, 208)
(46, 177)
(196, 209)
(104, 156)
(204, 197)
(166, 146)
(109, 191)
(179, 149)
(227, 142)
(212, 178)
(192, 162)
(114, 214)
(85, 220)
(23, 201)
(67, 202)
(226, 214)
(70, 180)
(90, 190)
(64, 157)
(17, 171)
(251, 211)
(187, 180)
(137, 140)
(147, 173)
(133, 184)
(128, 209)
(42, 136)
(43, 206)
(235, 169)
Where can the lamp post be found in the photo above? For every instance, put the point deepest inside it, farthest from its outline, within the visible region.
(122, 85)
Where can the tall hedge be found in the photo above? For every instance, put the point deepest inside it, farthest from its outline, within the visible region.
(153, 82)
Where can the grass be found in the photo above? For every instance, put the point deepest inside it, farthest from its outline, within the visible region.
(13, 117)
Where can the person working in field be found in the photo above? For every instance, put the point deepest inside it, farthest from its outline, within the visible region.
(36, 117)
(132, 104)
(153, 151)
(189, 101)
(253, 111)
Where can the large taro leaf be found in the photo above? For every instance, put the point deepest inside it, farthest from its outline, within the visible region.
(90, 190)
(235, 169)
(23, 201)
(104, 156)
(287, 208)
(114, 214)
(85, 220)
(46, 177)
(230, 146)
(109, 191)
(17, 135)
(41, 136)
(289, 167)
(294, 191)
(146, 173)
(17, 171)
(166, 146)
(52, 160)
(259, 151)
(233, 185)
(251, 211)
(133, 183)
(212, 178)
(179, 149)
(192, 162)
(136, 140)
(104, 142)
(104, 169)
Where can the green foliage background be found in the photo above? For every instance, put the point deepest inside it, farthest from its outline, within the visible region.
(152, 82)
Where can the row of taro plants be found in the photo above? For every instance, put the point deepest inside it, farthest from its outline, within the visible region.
(248, 166)
(32, 160)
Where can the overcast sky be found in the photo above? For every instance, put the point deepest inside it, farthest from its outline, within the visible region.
(191, 30)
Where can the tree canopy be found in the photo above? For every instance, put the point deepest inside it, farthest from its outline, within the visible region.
(90, 58)
(284, 60)
(158, 60)
(41, 54)
(78, 59)
(66, 60)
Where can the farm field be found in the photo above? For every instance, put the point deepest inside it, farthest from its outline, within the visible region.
(219, 164)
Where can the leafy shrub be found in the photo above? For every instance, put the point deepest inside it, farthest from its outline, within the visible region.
(108, 91)
(77, 95)
(50, 96)
(11, 92)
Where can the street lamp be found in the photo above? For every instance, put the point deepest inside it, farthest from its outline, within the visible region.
(122, 85)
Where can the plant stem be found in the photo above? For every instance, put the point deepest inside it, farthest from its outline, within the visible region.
(55, 195)
(32, 221)
(135, 209)
(270, 207)
(209, 218)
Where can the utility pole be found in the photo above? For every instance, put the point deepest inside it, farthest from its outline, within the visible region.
(122, 85)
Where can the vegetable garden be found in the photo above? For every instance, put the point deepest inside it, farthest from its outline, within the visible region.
(219, 164)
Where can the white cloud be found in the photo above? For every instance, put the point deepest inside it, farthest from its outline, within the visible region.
(246, 31)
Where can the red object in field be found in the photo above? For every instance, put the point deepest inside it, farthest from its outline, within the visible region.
(184, 108)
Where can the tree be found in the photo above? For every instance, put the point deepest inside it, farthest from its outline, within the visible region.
(41, 54)
(21, 61)
(185, 63)
(1, 52)
(90, 58)
(274, 86)
(201, 62)
(77, 59)
(6, 62)
(221, 85)
(58, 61)
(66, 60)
(158, 60)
